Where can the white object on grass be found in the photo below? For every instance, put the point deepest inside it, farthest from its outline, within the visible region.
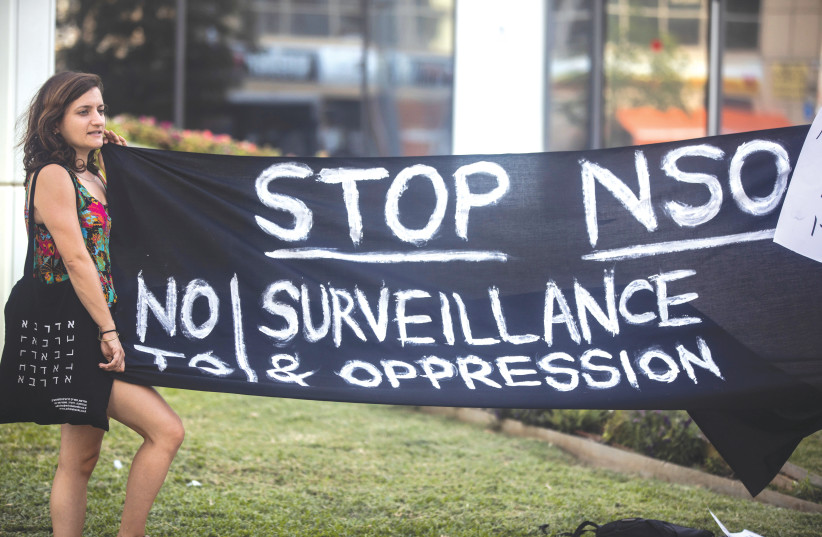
(743, 533)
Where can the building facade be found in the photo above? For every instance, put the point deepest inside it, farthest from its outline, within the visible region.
(346, 77)
(411, 77)
(668, 69)
(422, 77)
(26, 60)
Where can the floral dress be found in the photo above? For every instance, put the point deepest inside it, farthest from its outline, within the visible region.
(95, 224)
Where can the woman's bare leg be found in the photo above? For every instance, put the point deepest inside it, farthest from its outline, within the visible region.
(79, 451)
(143, 410)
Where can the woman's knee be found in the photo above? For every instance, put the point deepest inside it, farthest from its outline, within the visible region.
(168, 433)
(175, 433)
(79, 462)
(144, 411)
(79, 449)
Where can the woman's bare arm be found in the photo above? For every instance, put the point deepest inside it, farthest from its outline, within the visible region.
(55, 204)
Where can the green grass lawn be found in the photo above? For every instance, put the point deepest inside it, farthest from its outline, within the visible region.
(285, 467)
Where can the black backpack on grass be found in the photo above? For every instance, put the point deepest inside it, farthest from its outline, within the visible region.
(635, 527)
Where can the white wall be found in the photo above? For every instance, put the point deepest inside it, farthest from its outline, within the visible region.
(499, 76)
(26, 61)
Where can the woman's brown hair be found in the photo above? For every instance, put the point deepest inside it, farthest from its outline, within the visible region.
(41, 143)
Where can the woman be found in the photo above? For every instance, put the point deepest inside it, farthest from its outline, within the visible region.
(65, 128)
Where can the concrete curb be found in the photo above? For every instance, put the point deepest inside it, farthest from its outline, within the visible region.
(602, 456)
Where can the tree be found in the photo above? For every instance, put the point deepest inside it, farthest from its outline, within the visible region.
(130, 44)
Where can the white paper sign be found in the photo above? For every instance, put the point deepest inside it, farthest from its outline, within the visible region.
(800, 222)
(743, 533)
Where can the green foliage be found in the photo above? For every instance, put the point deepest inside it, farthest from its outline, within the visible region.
(131, 43)
(148, 132)
(283, 467)
(567, 421)
(807, 491)
(809, 454)
(715, 464)
(651, 74)
(666, 435)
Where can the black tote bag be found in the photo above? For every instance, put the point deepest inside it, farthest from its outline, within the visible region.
(49, 371)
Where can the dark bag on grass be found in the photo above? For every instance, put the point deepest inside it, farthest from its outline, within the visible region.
(637, 527)
(49, 372)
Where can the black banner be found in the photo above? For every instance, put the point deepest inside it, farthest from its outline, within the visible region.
(633, 278)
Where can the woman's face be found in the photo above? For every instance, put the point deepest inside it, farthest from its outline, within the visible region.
(84, 123)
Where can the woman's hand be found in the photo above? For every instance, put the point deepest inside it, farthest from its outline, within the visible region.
(114, 138)
(114, 353)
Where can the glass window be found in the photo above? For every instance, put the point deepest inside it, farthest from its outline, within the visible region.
(749, 7)
(313, 24)
(350, 25)
(412, 82)
(270, 22)
(655, 72)
(742, 24)
(578, 40)
(685, 31)
(642, 29)
(570, 76)
(428, 28)
(310, 4)
(691, 6)
(741, 35)
(771, 64)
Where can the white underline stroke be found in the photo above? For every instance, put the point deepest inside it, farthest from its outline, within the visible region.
(646, 250)
(444, 256)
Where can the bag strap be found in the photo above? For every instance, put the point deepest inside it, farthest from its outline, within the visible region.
(32, 225)
(577, 533)
(582, 529)
(29, 266)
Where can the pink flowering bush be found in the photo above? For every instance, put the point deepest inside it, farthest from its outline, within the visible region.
(147, 131)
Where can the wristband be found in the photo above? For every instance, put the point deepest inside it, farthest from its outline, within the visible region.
(116, 335)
